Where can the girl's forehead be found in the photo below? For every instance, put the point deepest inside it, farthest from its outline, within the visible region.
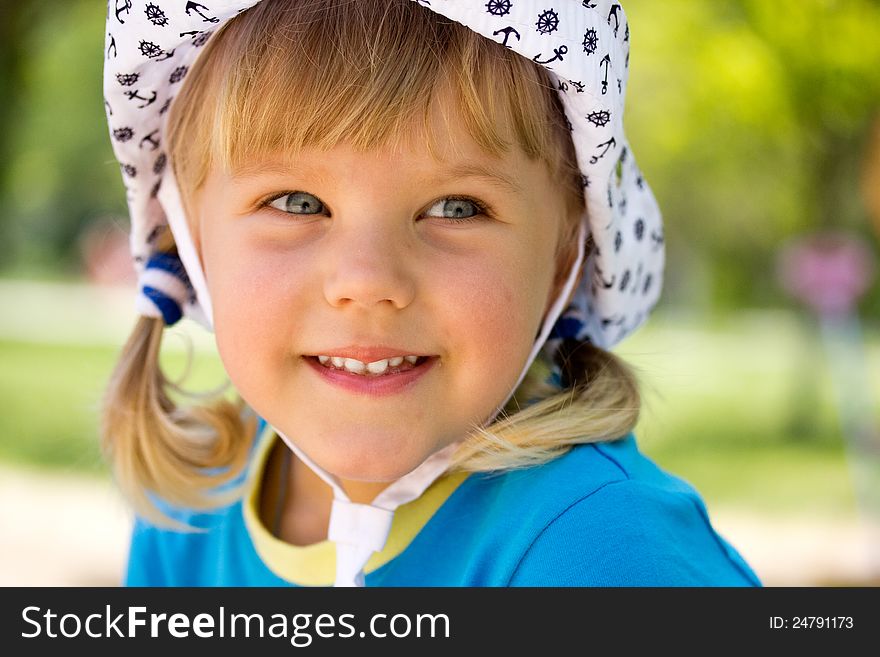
(441, 142)
(510, 172)
(442, 139)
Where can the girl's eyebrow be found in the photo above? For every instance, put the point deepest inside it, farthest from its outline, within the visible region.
(480, 172)
(462, 170)
(248, 172)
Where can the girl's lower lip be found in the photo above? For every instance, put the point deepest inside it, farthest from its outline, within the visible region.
(375, 386)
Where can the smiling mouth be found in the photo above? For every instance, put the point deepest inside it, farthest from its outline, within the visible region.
(376, 371)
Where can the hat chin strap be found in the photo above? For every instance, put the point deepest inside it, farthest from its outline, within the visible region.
(169, 197)
(358, 530)
(552, 315)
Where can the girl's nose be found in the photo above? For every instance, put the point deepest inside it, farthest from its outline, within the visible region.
(368, 266)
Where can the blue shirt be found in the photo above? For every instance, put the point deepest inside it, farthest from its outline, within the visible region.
(602, 514)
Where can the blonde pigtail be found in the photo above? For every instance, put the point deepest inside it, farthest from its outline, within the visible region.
(601, 403)
(190, 455)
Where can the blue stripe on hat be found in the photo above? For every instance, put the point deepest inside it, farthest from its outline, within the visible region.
(566, 327)
(170, 309)
(170, 263)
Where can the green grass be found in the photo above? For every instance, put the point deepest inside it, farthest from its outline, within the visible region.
(743, 408)
(50, 398)
(774, 480)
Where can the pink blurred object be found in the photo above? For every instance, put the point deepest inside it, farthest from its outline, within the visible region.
(105, 254)
(828, 271)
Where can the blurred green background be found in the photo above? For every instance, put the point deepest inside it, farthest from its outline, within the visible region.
(755, 122)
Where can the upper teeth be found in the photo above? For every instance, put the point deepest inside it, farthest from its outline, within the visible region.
(359, 367)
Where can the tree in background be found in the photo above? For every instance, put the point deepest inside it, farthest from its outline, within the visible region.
(871, 175)
(57, 171)
(14, 17)
(750, 119)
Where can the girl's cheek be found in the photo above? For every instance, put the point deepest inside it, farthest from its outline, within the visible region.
(488, 303)
(250, 294)
(259, 273)
(272, 278)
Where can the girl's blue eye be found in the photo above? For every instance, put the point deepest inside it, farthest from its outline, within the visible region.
(461, 209)
(298, 203)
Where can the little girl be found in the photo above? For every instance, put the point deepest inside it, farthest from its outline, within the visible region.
(415, 229)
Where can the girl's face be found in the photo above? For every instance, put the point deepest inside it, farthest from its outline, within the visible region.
(372, 256)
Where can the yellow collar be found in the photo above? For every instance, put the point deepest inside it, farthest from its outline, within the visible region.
(315, 564)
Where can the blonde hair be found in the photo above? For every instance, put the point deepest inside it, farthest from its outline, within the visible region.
(367, 72)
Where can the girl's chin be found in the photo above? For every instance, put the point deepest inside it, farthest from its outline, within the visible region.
(381, 461)
(363, 471)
